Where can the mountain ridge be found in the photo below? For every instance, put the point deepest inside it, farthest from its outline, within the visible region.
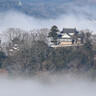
(44, 9)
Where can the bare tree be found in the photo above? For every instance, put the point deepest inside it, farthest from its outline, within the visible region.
(14, 39)
(86, 34)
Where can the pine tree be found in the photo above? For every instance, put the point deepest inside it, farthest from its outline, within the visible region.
(53, 33)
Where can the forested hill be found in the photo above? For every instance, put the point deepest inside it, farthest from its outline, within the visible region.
(29, 54)
(44, 8)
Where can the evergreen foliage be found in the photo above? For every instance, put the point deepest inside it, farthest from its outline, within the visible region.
(53, 33)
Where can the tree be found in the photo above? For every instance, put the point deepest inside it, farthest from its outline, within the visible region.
(88, 46)
(87, 35)
(48, 66)
(29, 57)
(14, 39)
(2, 58)
(53, 33)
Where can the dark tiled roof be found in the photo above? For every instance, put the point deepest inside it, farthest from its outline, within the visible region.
(69, 30)
(59, 36)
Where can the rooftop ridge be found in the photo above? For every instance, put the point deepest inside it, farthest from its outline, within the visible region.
(69, 30)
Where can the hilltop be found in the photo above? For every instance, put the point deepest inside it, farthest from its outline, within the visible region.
(28, 54)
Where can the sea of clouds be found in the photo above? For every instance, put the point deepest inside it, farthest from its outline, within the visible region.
(15, 19)
(59, 87)
(36, 88)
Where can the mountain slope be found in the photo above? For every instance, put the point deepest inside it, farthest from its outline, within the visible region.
(45, 8)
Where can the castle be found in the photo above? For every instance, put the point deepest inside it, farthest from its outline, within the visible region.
(68, 37)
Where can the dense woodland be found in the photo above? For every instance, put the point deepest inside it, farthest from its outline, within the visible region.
(27, 53)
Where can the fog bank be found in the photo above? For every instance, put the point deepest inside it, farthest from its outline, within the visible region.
(34, 88)
(19, 20)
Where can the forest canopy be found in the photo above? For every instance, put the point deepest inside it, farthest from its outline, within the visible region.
(28, 53)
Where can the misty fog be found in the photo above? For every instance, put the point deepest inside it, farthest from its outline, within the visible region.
(19, 20)
(34, 88)
(56, 87)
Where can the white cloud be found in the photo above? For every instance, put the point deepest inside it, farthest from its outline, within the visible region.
(20, 20)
